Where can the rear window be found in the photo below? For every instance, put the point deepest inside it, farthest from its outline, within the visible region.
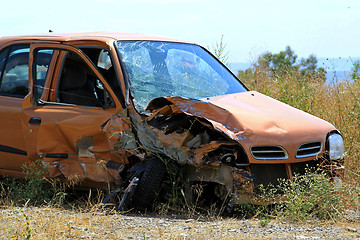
(15, 71)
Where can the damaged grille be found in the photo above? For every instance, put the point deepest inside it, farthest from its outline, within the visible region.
(268, 152)
(302, 168)
(309, 149)
(269, 176)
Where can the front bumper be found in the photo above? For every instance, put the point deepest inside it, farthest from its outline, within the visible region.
(247, 186)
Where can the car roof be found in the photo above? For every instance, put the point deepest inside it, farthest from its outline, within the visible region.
(97, 36)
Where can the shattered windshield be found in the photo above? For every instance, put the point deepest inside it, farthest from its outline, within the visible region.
(159, 69)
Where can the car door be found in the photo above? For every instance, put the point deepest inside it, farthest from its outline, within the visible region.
(66, 111)
(14, 69)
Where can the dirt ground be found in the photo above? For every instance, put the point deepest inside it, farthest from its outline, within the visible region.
(50, 223)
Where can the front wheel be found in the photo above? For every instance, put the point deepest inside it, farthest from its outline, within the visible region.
(149, 184)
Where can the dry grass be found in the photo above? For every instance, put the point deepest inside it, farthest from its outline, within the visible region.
(53, 223)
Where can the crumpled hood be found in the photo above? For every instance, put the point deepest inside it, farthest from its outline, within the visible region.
(254, 119)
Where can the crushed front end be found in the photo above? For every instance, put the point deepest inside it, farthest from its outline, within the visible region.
(227, 143)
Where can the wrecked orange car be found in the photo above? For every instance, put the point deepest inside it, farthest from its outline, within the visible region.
(103, 109)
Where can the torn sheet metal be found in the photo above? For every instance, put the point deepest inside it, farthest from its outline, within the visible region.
(120, 137)
(77, 170)
(157, 141)
(182, 146)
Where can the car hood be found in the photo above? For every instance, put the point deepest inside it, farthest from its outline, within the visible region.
(253, 119)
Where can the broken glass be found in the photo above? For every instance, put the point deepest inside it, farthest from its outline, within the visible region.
(159, 69)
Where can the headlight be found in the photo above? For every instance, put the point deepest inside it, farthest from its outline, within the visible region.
(336, 146)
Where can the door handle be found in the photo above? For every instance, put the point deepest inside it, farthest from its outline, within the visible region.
(35, 120)
(57, 155)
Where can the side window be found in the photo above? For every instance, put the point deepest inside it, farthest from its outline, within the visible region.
(15, 72)
(102, 60)
(42, 62)
(105, 66)
(79, 85)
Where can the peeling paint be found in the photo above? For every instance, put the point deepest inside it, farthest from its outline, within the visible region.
(85, 146)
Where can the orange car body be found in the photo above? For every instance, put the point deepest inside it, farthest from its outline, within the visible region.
(89, 144)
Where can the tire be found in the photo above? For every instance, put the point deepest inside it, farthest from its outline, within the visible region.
(149, 184)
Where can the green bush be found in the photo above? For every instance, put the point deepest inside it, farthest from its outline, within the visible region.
(309, 196)
(35, 189)
(305, 197)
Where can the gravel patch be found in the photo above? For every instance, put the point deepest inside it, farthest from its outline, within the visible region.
(49, 223)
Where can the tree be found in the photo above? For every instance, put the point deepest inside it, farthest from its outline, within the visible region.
(278, 62)
(309, 67)
(285, 61)
(309, 64)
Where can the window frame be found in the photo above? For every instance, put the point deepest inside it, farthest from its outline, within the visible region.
(35, 71)
(5, 60)
(55, 75)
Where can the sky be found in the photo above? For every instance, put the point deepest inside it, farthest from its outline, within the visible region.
(325, 28)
